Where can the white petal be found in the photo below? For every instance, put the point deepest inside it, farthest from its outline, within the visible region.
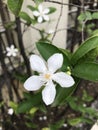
(8, 54)
(33, 83)
(46, 17)
(46, 11)
(49, 93)
(12, 47)
(40, 19)
(8, 49)
(36, 13)
(63, 79)
(40, 8)
(37, 64)
(55, 62)
(95, 127)
(14, 54)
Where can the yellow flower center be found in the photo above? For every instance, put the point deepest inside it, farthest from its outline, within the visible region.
(47, 76)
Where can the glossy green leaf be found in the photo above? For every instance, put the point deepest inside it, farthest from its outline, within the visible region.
(47, 50)
(15, 6)
(31, 7)
(67, 53)
(87, 70)
(32, 100)
(75, 121)
(13, 105)
(86, 47)
(25, 17)
(52, 10)
(64, 93)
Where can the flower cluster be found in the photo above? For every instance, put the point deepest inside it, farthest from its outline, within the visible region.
(47, 77)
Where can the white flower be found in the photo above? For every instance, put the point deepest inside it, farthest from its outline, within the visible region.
(44, 117)
(40, 118)
(11, 51)
(47, 74)
(65, 125)
(41, 14)
(10, 111)
(0, 128)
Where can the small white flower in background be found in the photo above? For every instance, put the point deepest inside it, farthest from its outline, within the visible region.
(47, 74)
(84, 105)
(44, 117)
(95, 126)
(11, 51)
(40, 118)
(10, 111)
(65, 125)
(41, 14)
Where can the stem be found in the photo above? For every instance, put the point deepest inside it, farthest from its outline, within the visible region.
(21, 46)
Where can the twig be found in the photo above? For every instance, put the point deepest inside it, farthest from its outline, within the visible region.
(22, 49)
(58, 20)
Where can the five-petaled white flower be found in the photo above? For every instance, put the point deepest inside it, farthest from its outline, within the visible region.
(41, 14)
(47, 76)
(11, 51)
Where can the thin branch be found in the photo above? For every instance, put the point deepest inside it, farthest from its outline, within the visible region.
(59, 18)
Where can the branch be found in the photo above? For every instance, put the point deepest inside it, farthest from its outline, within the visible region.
(58, 21)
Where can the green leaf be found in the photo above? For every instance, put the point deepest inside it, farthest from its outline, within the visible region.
(67, 53)
(38, 1)
(78, 120)
(52, 10)
(15, 6)
(33, 110)
(86, 97)
(31, 8)
(95, 32)
(57, 125)
(64, 93)
(21, 77)
(87, 70)
(31, 125)
(25, 17)
(87, 46)
(86, 120)
(47, 50)
(85, 16)
(75, 121)
(26, 105)
(13, 105)
(95, 15)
